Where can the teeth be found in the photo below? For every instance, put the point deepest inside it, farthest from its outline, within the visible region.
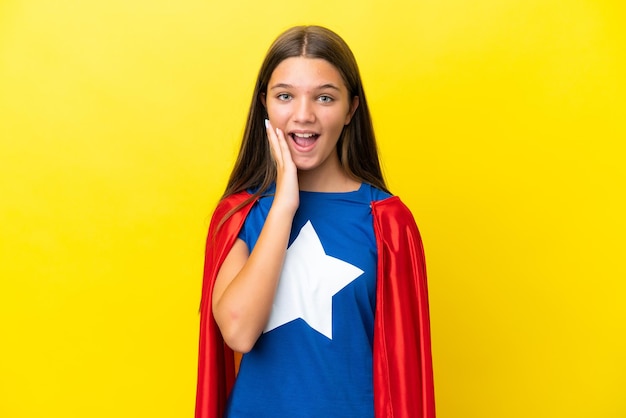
(304, 135)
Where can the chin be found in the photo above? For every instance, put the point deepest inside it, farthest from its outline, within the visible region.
(305, 168)
(305, 165)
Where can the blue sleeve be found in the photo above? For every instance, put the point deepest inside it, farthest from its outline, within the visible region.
(243, 234)
(254, 222)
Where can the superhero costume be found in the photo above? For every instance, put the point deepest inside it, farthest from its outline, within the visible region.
(403, 378)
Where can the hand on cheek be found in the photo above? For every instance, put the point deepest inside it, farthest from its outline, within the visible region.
(287, 190)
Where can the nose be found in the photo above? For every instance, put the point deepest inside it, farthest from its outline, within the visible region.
(304, 111)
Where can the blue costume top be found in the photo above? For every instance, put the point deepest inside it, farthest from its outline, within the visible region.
(314, 358)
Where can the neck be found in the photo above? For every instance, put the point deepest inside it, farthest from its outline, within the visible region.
(336, 183)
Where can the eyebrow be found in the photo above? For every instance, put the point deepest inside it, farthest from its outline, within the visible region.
(288, 86)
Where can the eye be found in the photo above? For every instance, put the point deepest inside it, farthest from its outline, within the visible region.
(325, 99)
(283, 96)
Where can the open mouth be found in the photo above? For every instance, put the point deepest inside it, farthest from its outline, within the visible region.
(303, 139)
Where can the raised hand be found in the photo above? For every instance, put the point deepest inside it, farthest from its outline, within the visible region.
(287, 190)
(246, 283)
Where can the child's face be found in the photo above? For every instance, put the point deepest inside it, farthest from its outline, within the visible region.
(308, 100)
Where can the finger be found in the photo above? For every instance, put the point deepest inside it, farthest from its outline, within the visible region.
(275, 148)
(284, 148)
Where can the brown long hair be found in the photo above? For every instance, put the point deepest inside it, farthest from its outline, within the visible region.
(356, 146)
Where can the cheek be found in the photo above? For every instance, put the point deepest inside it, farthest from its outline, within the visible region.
(277, 113)
(336, 120)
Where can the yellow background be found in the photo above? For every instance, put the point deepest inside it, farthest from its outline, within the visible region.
(501, 124)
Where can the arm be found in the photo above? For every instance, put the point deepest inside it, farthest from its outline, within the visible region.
(246, 283)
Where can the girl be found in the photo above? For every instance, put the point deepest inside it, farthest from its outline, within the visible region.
(313, 269)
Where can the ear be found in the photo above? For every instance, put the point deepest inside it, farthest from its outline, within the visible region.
(263, 97)
(353, 106)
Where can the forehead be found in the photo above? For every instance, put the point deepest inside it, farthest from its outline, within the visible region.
(306, 72)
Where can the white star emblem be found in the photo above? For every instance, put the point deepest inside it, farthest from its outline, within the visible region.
(308, 282)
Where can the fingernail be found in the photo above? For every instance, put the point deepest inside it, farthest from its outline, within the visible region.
(267, 123)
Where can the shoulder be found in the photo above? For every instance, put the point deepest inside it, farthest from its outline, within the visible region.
(392, 206)
(373, 193)
(231, 202)
(231, 212)
(393, 211)
(395, 226)
(387, 206)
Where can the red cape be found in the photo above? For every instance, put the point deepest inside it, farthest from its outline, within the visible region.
(403, 375)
